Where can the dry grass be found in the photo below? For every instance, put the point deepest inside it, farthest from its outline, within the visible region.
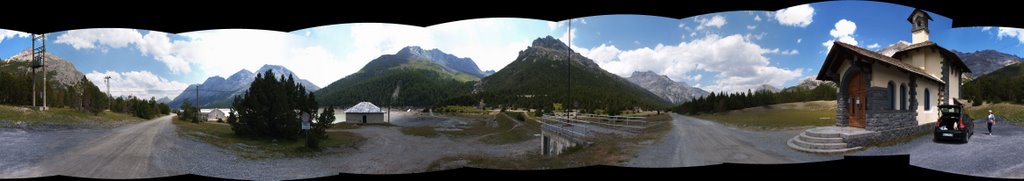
(63, 116)
(1011, 112)
(525, 130)
(779, 116)
(605, 150)
(220, 135)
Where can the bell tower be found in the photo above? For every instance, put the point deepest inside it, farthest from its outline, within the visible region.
(919, 23)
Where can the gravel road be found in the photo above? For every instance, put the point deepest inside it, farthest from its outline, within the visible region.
(697, 142)
(24, 147)
(997, 155)
(121, 153)
(154, 149)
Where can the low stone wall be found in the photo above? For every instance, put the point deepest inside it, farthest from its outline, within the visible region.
(890, 119)
(882, 136)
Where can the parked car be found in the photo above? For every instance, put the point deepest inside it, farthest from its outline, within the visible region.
(954, 124)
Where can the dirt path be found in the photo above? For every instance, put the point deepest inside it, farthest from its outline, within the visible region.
(123, 153)
(388, 151)
(696, 142)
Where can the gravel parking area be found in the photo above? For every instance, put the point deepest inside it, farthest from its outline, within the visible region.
(696, 142)
(997, 155)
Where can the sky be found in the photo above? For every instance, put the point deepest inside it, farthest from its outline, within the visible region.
(726, 51)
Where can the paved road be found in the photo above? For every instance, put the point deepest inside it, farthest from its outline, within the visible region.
(997, 155)
(123, 153)
(696, 142)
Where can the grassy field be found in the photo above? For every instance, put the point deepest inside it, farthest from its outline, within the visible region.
(221, 135)
(606, 150)
(63, 116)
(1012, 112)
(779, 116)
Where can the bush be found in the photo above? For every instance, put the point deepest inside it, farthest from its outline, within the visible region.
(319, 128)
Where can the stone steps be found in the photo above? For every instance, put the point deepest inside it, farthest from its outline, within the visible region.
(822, 151)
(820, 140)
(814, 139)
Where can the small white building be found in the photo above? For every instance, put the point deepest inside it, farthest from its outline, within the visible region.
(364, 112)
(213, 114)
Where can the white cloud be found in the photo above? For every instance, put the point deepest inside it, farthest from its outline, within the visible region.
(799, 16)
(91, 38)
(143, 84)
(716, 21)
(986, 28)
(783, 52)
(580, 20)
(750, 37)
(1011, 32)
(224, 52)
(751, 27)
(603, 54)
(6, 34)
(155, 44)
(757, 18)
(843, 28)
(711, 53)
(843, 32)
(874, 46)
(555, 25)
(492, 42)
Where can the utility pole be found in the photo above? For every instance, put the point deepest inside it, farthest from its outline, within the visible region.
(568, 69)
(38, 61)
(109, 98)
(197, 103)
(394, 96)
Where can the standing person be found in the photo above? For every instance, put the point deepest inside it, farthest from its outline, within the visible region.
(991, 121)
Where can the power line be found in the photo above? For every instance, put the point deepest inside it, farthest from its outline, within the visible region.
(174, 90)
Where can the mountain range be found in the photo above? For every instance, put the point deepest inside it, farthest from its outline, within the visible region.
(538, 78)
(986, 61)
(980, 62)
(664, 87)
(217, 91)
(421, 77)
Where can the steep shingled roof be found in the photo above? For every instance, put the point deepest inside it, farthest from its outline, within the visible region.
(364, 107)
(840, 46)
(945, 53)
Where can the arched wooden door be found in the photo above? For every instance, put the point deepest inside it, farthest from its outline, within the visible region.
(857, 95)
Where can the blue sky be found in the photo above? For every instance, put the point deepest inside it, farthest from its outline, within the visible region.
(727, 51)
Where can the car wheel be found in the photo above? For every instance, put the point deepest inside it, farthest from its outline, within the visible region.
(967, 137)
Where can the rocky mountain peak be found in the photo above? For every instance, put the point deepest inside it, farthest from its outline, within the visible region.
(550, 43)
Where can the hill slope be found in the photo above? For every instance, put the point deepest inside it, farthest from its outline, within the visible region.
(1000, 85)
(537, 79)
(424, 80)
